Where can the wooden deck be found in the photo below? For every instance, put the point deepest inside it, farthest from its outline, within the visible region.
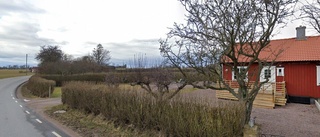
(271, 94)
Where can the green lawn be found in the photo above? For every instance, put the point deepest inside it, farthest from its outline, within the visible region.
(8, 73)
(56, 93)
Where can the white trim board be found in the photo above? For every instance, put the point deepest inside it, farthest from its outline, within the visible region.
(317, 104)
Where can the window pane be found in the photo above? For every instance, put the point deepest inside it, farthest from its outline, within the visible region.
(267, 73)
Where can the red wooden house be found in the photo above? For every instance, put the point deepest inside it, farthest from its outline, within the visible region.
(298, 66)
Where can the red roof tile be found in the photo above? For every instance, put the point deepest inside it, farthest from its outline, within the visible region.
(291, 50)
(297, 50)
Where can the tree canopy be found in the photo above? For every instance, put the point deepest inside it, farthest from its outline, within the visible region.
(49, 53)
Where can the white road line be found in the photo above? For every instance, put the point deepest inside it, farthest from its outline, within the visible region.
(38, 120)
(20, 105)
(16, 101)
(12, 97)
(27, 112)
(56, 134)
(25, 100)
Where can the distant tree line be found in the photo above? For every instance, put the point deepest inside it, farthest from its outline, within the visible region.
(54, 61)
(14, 67)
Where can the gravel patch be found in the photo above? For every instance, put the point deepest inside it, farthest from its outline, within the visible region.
(292, 120)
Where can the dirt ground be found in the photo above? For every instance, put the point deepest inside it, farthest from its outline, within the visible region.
(292, 120)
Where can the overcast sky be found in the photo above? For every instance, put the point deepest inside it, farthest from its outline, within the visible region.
(125, 27)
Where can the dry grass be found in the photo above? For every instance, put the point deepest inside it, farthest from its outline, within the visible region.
(8, 73)
(89, 125)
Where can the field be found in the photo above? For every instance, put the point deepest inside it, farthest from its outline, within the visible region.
(8, 73)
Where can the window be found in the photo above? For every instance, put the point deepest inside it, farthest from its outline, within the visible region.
(241, 70)
(280, 71)
(267, 73)
(318, 76)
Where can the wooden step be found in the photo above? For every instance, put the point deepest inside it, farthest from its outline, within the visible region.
(281, 101)
(261, 101)
(263, 106)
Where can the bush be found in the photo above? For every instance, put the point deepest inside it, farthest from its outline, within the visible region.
(174, 118)
(40, 87)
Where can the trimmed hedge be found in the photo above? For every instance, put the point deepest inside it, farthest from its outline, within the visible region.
(92, 77)
(40, 87)
(174, 118)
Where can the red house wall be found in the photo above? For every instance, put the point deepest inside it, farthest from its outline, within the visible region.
(300, 78)
(227, 72)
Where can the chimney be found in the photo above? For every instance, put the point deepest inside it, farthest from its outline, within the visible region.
(301, 33)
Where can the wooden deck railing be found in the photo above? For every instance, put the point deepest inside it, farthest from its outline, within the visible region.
(270, 94)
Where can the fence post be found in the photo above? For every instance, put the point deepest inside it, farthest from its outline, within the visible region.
(49, 91)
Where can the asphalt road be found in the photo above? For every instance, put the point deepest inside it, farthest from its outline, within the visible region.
(17, 120)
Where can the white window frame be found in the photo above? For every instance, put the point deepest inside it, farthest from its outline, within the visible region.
(318, 75)
(282, 71)
(272, 77)
(239, 67)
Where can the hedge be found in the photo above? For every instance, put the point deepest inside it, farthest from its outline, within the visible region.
(40, 87)
(92, 77)
(174, 118)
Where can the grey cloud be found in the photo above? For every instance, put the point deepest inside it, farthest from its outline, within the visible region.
(20, 39)
(5, 55)
(119, 51)
(91, 43)
(145, 41)
(8, 6)
(25, 34)
(136, 45)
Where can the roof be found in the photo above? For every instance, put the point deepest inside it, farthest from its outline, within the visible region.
(289, 50)
(297, 50)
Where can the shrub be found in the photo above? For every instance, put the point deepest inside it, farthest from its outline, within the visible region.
(172, 118)
(40, 87)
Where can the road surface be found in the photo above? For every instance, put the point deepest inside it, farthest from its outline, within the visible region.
(17, 120)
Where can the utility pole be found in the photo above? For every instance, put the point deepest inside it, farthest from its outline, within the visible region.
(26, 64)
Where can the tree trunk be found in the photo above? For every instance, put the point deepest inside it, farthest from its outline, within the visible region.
(248, 106)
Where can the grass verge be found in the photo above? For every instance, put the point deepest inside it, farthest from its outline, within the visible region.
(90, 125)
(56, 93)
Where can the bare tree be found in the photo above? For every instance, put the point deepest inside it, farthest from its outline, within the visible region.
(311, 11)
(232, 33)
(159, 80)
(101, 55)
